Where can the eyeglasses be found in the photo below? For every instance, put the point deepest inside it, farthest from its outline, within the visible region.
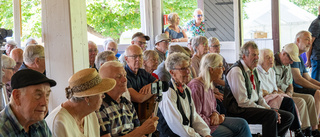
(142, 43)
(136, 56)
(219, 66)
(112, 49)
(289, 57)
(199, 16)
(215, 46)
(166, 41)
(182, 69)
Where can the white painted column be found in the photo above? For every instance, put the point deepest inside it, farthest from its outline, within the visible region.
(17, 21)
(64, 32)
(238, 26)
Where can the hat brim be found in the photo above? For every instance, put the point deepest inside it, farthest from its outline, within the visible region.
(104, 86)
(295, 58)
(147, 38)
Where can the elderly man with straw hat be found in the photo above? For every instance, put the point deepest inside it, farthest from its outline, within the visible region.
(23, 116)
(76, 116)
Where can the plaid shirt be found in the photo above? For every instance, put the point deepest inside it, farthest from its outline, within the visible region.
(10, 126)
(118, 119)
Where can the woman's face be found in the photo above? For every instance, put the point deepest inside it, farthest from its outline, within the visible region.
(216, 72)
(151, 64)
(177, 20)
(202, 49)
(215, 47)
(268, 61)
(181, 73)
(96, 101)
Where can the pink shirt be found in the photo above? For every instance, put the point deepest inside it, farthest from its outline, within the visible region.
(204, 101)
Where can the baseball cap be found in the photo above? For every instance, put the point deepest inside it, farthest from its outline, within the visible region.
(28, 77)
(162, 37)
(293, 51)
(12, 42)
(140, 34)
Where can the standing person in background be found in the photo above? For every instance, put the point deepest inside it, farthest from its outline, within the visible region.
(195, 27)
(93, 51)
(313, 55)
(174, 31)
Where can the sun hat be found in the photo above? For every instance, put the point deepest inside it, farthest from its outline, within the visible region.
(87, 82)
(28, 77)
(293, 51)
(162, 37)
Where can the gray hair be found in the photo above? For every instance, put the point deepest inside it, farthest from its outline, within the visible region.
(107, 41)
(116, 64)
(149, 53)
(102, 57)
(76, 99)
(212, 40)
(7, 62)
(197, 41)
(210, 60)
(300, 34)
(195, 11)
(92, 43)
(32, 52)
(244, 50)
(173, 18)
(29, 40)
(262, 53)
(175, 59)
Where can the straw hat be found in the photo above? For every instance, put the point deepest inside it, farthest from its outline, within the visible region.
(87, 82)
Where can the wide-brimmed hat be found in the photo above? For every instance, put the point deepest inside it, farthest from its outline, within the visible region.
(293, 51)
(162, 37)
(87, 82)
(140, 34)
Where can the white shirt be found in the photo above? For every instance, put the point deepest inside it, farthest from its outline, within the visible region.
(239, 90)
(268, 79)
(62, 124)
(171, 114)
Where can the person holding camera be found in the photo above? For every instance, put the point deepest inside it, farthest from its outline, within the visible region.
(177, 112)
(117, 116)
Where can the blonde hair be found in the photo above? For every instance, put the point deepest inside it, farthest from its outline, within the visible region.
(210, 60)
(173, 18)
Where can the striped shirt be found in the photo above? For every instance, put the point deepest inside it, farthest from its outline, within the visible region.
(115, 118)
(10, 126)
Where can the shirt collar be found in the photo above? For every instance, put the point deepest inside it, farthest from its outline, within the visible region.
(245, 67)
(259, 68)
(108, 99)
(130, 71)
(15, 123)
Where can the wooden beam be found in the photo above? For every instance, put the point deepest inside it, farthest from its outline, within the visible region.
(275, 25)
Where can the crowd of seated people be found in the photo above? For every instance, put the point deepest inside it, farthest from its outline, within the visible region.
(205, 96)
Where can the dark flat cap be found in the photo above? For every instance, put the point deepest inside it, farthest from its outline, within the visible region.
(28, 77)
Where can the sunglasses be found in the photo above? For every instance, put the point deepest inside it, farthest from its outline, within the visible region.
(199, 16)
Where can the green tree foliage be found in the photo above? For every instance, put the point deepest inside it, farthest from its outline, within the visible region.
(308, 5)
(112, 17)
(31, 17)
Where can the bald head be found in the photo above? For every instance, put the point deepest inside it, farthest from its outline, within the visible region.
(134, 57)
(112, 46)
(17, 55)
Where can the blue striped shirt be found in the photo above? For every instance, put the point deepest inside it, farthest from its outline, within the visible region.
(10, 126)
